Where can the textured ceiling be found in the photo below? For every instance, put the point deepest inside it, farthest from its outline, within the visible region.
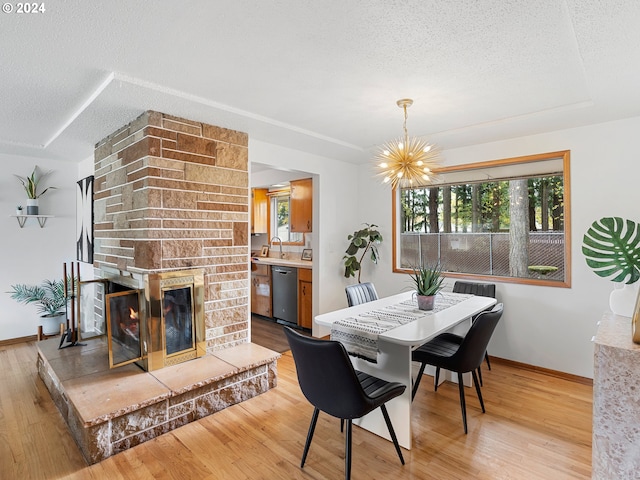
(316, 76)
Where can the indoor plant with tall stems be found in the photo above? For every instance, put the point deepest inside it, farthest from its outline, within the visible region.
(427, 281)
(367, 238)
(30, 184)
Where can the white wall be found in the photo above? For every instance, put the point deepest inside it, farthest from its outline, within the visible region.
(544, 326)
(32, 254)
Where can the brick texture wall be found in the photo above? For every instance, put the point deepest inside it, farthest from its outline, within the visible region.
(173, 194)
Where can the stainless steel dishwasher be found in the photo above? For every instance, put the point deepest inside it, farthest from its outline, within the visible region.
(285, 293)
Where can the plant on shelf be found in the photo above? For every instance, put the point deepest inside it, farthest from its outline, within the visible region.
(19, 210)
(30, 185)
(49, 296)
(32, 182)
(427, 281)
(611, 248)
(367, 238)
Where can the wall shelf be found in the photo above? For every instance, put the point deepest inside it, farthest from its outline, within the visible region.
(22, 219)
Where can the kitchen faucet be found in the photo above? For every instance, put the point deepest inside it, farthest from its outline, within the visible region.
(271, 245)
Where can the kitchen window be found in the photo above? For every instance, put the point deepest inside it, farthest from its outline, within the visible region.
(280, 219)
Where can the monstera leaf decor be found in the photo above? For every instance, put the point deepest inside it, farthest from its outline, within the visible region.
(611, 247)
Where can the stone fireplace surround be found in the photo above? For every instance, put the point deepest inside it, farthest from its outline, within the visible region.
(170, 194)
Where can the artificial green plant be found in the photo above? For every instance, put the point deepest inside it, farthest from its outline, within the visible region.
(367, 238)
(611, 248)
(427, 279)
(48, 297)
(31, 183)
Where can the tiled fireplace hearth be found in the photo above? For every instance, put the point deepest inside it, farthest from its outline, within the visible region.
(111, 410)
(171, 214)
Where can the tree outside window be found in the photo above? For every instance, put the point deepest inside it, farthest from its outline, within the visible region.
(504, 218)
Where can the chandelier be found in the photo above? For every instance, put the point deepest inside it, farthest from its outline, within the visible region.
(407, 162)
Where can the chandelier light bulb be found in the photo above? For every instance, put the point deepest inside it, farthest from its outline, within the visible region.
(400, 174)
(419, 163)
(386, 179)
(386, 153)
(427, 148)
(400, 146)
(384, 165)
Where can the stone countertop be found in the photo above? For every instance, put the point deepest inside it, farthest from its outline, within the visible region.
(285, 262)
(615, 331)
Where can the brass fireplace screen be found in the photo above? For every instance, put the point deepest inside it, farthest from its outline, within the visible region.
(155, 326)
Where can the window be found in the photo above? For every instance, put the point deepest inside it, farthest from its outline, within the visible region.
(280, 205)
(500, 220)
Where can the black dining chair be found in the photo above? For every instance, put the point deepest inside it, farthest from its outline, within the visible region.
(483, 290)
(360, 293)
(459, 354)
(331, 384)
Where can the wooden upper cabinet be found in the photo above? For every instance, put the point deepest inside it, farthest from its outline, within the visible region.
(301, 205)
(259, 210)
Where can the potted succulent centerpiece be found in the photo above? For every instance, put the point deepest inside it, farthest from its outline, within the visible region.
(49, 298)
(611, 248)
(427, 281)
(30, 185)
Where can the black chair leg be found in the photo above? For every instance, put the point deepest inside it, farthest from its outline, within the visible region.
(486, 357)
(480, 375)
(312, 427)
(341, 425)
(463, 406)
(478, 391)
(392, 432)
(347, 457)
(416, 384)
(436, 379)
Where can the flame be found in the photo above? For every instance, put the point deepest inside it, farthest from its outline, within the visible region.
(133, 315)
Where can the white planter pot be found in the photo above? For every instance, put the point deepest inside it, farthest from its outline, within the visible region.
(51, 324)
(622, 300)
(32, 206)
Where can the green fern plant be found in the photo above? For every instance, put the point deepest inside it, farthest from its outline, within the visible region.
(427, 280)
(611, 248)
(48, 297)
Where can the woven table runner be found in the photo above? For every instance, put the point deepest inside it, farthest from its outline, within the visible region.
(359, 333)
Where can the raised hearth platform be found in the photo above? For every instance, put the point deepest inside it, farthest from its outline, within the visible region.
(111, 410)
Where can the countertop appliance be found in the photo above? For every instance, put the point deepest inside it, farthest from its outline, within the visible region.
(285, 293)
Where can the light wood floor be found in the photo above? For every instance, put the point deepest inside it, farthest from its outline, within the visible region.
(536, 427)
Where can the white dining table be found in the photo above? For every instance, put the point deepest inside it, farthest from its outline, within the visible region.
(394, 353)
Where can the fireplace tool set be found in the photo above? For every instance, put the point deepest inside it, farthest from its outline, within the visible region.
(71, 282)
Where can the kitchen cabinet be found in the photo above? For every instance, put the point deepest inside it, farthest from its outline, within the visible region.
(301, 205)
(261, 290)
(259, 210)
(305, 314)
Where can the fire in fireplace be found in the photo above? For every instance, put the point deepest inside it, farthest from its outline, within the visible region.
(154, 320)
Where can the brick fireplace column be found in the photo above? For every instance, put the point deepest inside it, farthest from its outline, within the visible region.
(173, 194)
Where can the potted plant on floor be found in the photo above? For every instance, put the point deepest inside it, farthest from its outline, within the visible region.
(428, 282)
(367, 238)
(49, 298)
